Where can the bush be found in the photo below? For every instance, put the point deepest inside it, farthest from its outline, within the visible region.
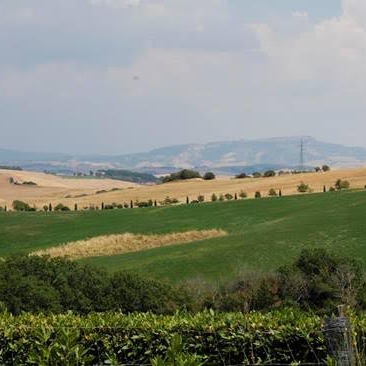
(325, 168)
(243, 194)
(341, 184)
(257, 195)
(228, 196)
(282, 337)
(272, 192)
(269, 173)
(214, 197)
(303, 188)
(39, 284)
(21, 206)
(61, 207)
(320, 281)
(201, 198)
(256, 175)
(209, 176)
(241, 176)
(332, 189)
(169, 201)
(181, 175)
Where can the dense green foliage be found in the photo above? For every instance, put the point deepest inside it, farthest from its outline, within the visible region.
(262, 234)
(279, 337)
(35, 284)
(21, 206)
(181, 175)
(128, 176)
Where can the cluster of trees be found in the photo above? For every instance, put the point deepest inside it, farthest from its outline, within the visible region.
(272, 173)
(186, 174)
(39, 284)
(316, 280)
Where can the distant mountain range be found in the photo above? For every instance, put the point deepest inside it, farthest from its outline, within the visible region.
(223, 157)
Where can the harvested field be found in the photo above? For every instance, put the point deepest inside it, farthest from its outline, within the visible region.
(110, 245)
(52, 189)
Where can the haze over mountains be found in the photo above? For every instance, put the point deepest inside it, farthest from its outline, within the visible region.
(225, 156)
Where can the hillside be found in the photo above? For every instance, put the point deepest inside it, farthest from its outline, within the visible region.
(49, 187)
(86, 191)
(224, 157)
(262, 234)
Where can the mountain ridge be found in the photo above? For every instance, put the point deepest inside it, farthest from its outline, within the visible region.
(276, 151)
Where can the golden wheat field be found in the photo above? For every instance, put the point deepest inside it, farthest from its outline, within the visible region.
(109, 245)
(54, 189)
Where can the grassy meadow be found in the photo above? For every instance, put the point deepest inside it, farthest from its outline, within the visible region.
(262, 234)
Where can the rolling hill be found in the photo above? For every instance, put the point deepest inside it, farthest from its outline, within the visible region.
(261, 234)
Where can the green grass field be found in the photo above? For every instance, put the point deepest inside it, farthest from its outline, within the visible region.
(263, 234)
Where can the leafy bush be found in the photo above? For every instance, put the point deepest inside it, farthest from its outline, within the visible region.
(228, 196)
(286, 337)
(61, 207)
(269, 173)
(241, 176)
(214, 197)
(256, 175)
(320, 281)
(257, 195)
(341, 184)
(303, 188)
(209, 176)
(181, 175)
(325, 168)
(38, 284)
(21, 206)
(243, 194)
(272, 192)
(201, 198)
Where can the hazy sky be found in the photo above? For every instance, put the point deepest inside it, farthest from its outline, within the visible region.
(119, 76)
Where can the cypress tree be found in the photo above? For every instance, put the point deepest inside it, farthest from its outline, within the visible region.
(280, 193)
(75, 207)
(155, 203)
(187, 200)
(131, 204)
(235, 196)
(324, 189)
(102, 207)
(50, 207)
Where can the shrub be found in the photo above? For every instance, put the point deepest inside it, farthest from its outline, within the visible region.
(21, 206)
(321, 281)
(303, 188)
(332, 189)
(221, 197)
(214, 197)
(61, 207)
(243, 194)
(201, 198)
(209, 176)
(169, 201)
(241, 176)
(181, 175)
(228, 196)
(269, 173)
(341, 184)
(256, 175)
(257, 195)
(272, 192)
(325, 168)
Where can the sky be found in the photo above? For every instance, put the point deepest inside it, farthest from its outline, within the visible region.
(123, 76)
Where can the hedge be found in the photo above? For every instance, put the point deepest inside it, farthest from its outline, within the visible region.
(286, 337)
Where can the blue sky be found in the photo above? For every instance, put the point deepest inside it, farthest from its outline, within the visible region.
(120, 76)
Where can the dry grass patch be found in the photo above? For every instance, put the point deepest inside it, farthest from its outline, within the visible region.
(110, 245)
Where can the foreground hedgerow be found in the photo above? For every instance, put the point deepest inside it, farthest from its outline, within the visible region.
(231, 338)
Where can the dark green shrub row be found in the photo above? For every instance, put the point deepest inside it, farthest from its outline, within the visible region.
(36, 284)
(282, 337)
